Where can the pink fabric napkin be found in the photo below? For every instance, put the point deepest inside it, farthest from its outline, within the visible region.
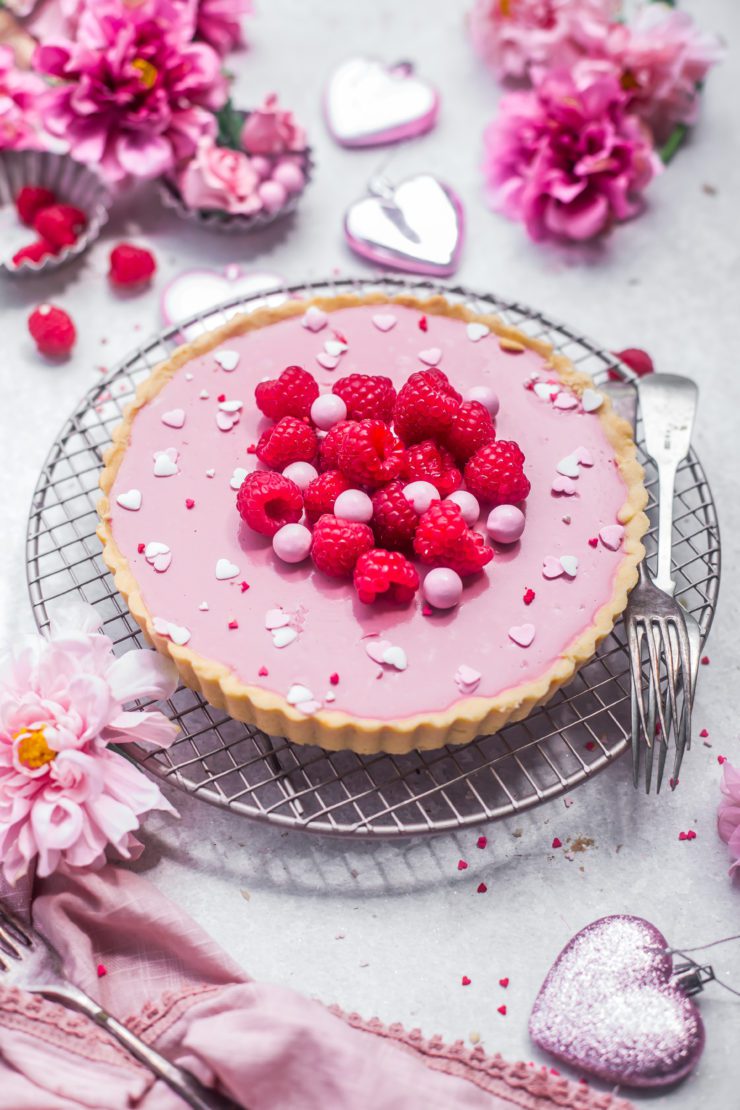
(267, 1047)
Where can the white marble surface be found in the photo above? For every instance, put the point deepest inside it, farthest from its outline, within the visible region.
(390, 929)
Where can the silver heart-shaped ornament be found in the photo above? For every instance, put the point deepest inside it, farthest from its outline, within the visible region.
(367, 103)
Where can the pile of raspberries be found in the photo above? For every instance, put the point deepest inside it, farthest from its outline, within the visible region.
(425, 432)
(56, 225)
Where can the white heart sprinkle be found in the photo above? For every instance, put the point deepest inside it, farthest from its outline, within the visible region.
(477, 332)
(165, 463)
(175, 418)
(188, 376)
(155, 548)
(298, 693)
(226, 569)
(522, 634)
(565, 401)
(335, 347)
(281, 637)
(227, 360)
(330, 696)
(308, 707)
(545, 390)
(568, 466)
(467, 678)
(210, 473)
(161, 562)
(230, 406)
(178, 633)
(551, 567)
(395, 656)
(431, 356)
(225, 421)
(203, 394)
(584, 456)
(237, 477)
(130, 499)
(276, 618)
(591, 400)
(569, 563)
(329, 362)
(384, 321)
(203, 606)
(611, 536)
(315, 319)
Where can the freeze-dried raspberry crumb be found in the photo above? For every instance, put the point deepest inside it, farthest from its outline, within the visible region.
(233, 624)
(423, 325)
(189, 503)
(141, 548)
(481, 842)
(593, 541)
(704, 733)
(529, 596)
(481, 888)
(462, 865)
(504, 982)
(101, 970)
(243, 586)
(557, 842)
(502, 1010)
(721, 759)
(466, 981)
(263, 672)
(334, 679)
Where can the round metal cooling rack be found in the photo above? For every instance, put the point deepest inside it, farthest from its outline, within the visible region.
(583, 729)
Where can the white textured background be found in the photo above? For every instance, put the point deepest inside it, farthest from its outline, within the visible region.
(410, 923)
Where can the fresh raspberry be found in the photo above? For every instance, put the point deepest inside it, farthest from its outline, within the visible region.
(329, 447)
(266, 501)
(60, 224)
(53, 330)
(34, 252)
(370, 454)
(291, 394)
(471, 429)
(426, 462)
(443, 539)
(496, 474)
(338, 544)
(386, 574)
(30, 200)
(322, 492)
(394, 518)
(367, 396)
(288, 441)
(425, 406)
(131, 266)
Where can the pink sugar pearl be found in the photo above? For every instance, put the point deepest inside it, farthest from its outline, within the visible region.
(262, 166)
(353, 504)
(327, 410)
(442, 588)
(469, 506)
(289, 176)
(292, 543)
(302, 473)
(420, 495)
(272, 194)
(485, 396)
(505, 523)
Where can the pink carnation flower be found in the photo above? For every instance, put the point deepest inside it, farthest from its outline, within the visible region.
(64, 794)
(19, 98)
(220, 178)
(566, 158)
(270, 130)
(662, 57)
(218, 22)
(728, 813)
(137, 96)
(518, 37)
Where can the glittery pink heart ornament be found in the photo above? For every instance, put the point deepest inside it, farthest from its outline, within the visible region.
(200, 290)
(609, 1007)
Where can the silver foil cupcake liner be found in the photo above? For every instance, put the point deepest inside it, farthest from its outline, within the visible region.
(217, 220)
(72, 182)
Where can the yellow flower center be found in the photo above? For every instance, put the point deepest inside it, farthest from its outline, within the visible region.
(33, 751)
(629, 82)
(505, 7)
(147, 72)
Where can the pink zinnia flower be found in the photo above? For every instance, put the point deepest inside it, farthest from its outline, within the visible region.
(662, 58)
(137, 95)
(272, 130)
(218, 22)
(728, 813)
(19, 99)
(64, 794)
(566, 158)
(518, 37)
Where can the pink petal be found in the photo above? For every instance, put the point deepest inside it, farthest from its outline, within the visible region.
(142, 674)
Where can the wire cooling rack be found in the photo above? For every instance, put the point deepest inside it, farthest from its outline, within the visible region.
(583, 729)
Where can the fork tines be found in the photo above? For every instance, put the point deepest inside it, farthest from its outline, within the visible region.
(13, 937)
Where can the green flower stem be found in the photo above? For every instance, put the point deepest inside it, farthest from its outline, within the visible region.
(672, 144)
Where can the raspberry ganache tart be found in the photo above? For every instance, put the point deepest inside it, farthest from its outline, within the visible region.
(372, 523)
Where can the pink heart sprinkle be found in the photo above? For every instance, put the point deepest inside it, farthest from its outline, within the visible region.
(565, 401)
(611, 536)
(560, 484)
(329, 362)
(384, 321)
(431, 356)
(376, 649)
(315, 319)
(584, 456)
(551, 567)
(226, 421)
(522, 634)
(162, 562)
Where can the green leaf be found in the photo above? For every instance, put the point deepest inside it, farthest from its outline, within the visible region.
(673, 143)
(230, 122)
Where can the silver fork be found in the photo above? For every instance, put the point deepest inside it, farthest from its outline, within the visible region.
(654, 618)
(29, 962)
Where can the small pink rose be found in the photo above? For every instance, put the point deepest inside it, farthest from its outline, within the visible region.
(269, 130)
(220, 178)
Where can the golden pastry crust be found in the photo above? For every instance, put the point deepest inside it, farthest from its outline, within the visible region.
(332, 728)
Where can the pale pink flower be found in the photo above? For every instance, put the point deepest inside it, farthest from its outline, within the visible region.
(64, 794)
(20, 92)
(518, 37)
(662, 57)
(220, 178)
(272, 130)
(566, 158)
(136, 95)
(728, 813)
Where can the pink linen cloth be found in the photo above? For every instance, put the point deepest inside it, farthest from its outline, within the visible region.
(266, 1047)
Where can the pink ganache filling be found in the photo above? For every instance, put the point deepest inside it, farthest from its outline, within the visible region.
(305, 636)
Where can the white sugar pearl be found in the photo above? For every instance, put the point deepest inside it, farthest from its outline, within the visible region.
(327, 410)
(302, 473)
(485, 396)
(469, 506)
(421, 495)
(353, 504)
(292, 543)
(442, 588)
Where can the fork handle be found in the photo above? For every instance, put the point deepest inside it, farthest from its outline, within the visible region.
(179, 1080)
(666, 483)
